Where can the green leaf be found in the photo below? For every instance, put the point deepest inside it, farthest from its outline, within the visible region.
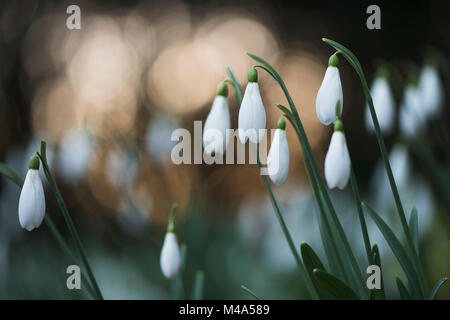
(254, 295)
(398, 251)
(376, 260)
(404, 295)
(436, 288)
(414, 228)
(237, 87)
(312, 261)
(333, 285)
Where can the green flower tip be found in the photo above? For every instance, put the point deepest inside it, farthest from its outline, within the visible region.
(171, 227)
(333, 61)
(171, 224)
(252, 75)
(34, 162)
(222, 89)
(281, 124)
(338, 126)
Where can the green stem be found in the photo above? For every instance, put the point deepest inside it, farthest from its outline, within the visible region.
(68, 220)
(354, 62)
(309, 157)
(362, 220)
(250, 292)
(304, 274)
(14, 177)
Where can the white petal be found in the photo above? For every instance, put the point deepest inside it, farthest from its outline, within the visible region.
(31, 201)
(412, 116)
(170, 256)
(278, 158)
(337, 162)
(400, 165)
(330, 92)
(384, 104)
(431, 91)
(252, 115)
(215, 135)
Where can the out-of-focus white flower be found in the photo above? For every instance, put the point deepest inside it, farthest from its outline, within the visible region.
(252, 115)
(337, 161)
(384, 104)
(412, 116)
(170, 256)
(32, 199)
(218, 121)
(278, 157)
(158, 137)
(431, 91)
(74, 154)
(330, 92)
(400, 165)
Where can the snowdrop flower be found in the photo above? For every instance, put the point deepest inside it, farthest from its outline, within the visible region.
(215, 135)
(384, 104)
(32, 200)
(330, 92)
(170, 259)
(278, 158)
(337, 160)
(431, 91)
(412, 117)
(252, 115)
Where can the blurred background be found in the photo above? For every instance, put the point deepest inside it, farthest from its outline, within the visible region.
(107, 97)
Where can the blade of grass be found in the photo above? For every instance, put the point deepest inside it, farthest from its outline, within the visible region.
(404, 294)
(334, 286)
(250, 292)
(68, 219)
(398, 251)
(436, 287)
(414, 228)
(377, 260)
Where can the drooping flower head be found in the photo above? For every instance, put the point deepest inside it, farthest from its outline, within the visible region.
(215, 135)
(32, 199)
(431, 90)
(383, 102)
(337, 160)
(170, 259)
(252, 115)
(412, 117)
(330, 93)
(278, 158)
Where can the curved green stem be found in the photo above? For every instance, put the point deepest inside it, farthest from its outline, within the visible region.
(354, 62)
(68, 220)
(304, 274)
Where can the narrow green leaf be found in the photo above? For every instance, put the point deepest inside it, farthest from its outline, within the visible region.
(197, 291)
(377, 260)
(404, 295)
(310, 258)
(436, 287)
(250, 292)
(398, 251)
(237, 87)
(414, 228)
(334, 286)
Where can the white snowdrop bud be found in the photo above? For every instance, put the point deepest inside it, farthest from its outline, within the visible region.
(431, 91)
(170, 256)
(278, 157)
(32, 199)
(215, 136)
(252, 115)
(384, 104)
(170, 259)
(412, 117)
(330, 92)
(337, 160)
